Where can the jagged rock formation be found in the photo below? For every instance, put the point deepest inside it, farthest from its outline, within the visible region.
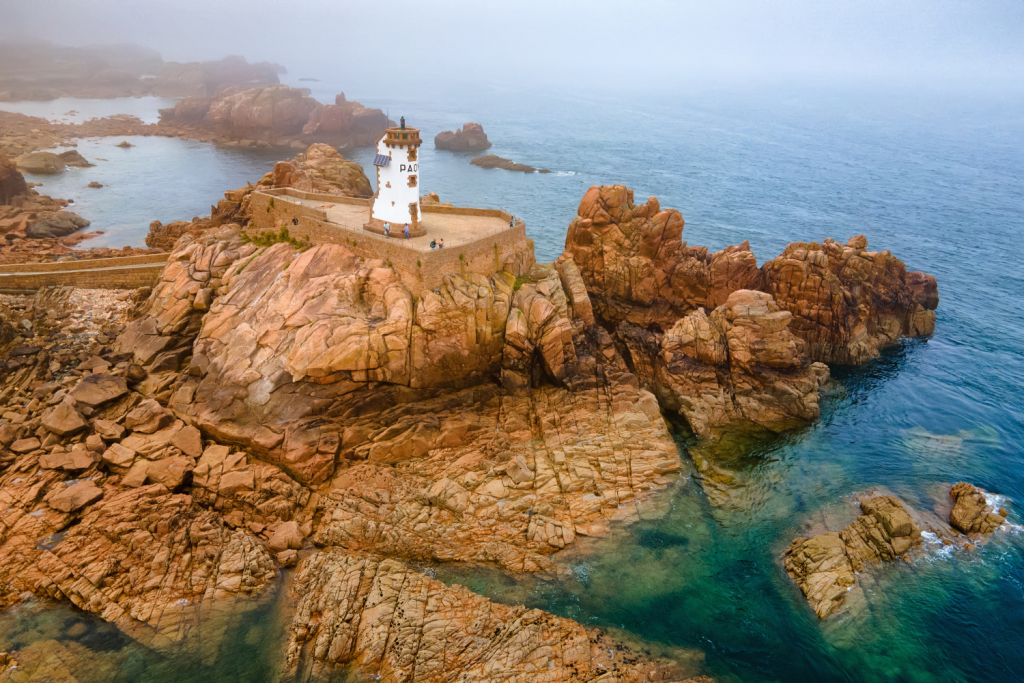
(470, 138)
(277, 113)
(116, 501)
(400, 625)
(12, 183)
(321, 169)
(825, 567)
(971, 513)
(740, 363)
(196, 273)
(847, 303)
(345, 120)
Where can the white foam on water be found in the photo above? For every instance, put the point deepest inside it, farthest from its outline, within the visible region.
(936, 548)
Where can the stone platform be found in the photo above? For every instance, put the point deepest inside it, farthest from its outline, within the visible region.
(475, 240)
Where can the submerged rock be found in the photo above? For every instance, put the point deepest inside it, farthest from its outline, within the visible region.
(825, 566)
(397, 624)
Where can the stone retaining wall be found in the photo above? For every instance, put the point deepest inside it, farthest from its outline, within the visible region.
(129, 272)
(508, 249)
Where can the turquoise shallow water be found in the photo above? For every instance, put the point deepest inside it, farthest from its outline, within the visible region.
(934, 177)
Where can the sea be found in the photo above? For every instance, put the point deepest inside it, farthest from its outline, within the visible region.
(934, 175)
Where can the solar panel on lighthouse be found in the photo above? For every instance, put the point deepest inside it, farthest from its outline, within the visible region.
(381, 160)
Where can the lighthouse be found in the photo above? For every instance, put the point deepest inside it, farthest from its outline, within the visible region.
(397, 201)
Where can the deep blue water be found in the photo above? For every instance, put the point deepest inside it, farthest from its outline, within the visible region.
(934, 177)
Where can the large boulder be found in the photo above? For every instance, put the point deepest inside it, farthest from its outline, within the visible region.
(56, 225)
(12, 183)
(41, 163)
(971, 513)
(275, 109)
(97, 389)
(345, 122)
(470, 138)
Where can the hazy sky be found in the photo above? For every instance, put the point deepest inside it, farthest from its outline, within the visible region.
(602, 43)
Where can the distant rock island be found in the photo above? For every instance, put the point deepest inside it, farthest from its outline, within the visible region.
(39, 70)
(470, 138)
(494, 161)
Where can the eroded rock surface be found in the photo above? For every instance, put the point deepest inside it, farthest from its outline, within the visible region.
(397, 624)
(825, 566)
(847, 302)
(971, 513)
(741, 363)
(321, 169)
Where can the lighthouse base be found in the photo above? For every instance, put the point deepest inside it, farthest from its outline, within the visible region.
(376, 226)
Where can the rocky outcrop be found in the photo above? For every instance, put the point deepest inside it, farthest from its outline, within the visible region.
(494, 161)
(345, 122)
(972, 513)
(470, 138)
(825, 566)
(12, 183)
(322, 170)
(278, 114)
(196, 272)
(41, 163)
(73, 158)
(397, 624)
(847, 303)
(740, 364)
(56, 225)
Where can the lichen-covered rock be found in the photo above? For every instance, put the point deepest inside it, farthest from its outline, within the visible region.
(971, 513)
(825, 566)
(396, 625)
(739, 364)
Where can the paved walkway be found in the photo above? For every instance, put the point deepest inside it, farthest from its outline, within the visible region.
(453, 229)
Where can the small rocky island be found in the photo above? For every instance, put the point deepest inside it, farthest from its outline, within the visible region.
(470, 138)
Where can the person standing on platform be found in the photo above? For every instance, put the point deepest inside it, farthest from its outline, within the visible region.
(406, 231)
(387, 229)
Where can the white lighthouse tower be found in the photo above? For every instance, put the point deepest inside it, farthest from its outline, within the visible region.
(397, 201)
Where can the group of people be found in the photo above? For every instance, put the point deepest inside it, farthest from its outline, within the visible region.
(434, 244)
(387, 230)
